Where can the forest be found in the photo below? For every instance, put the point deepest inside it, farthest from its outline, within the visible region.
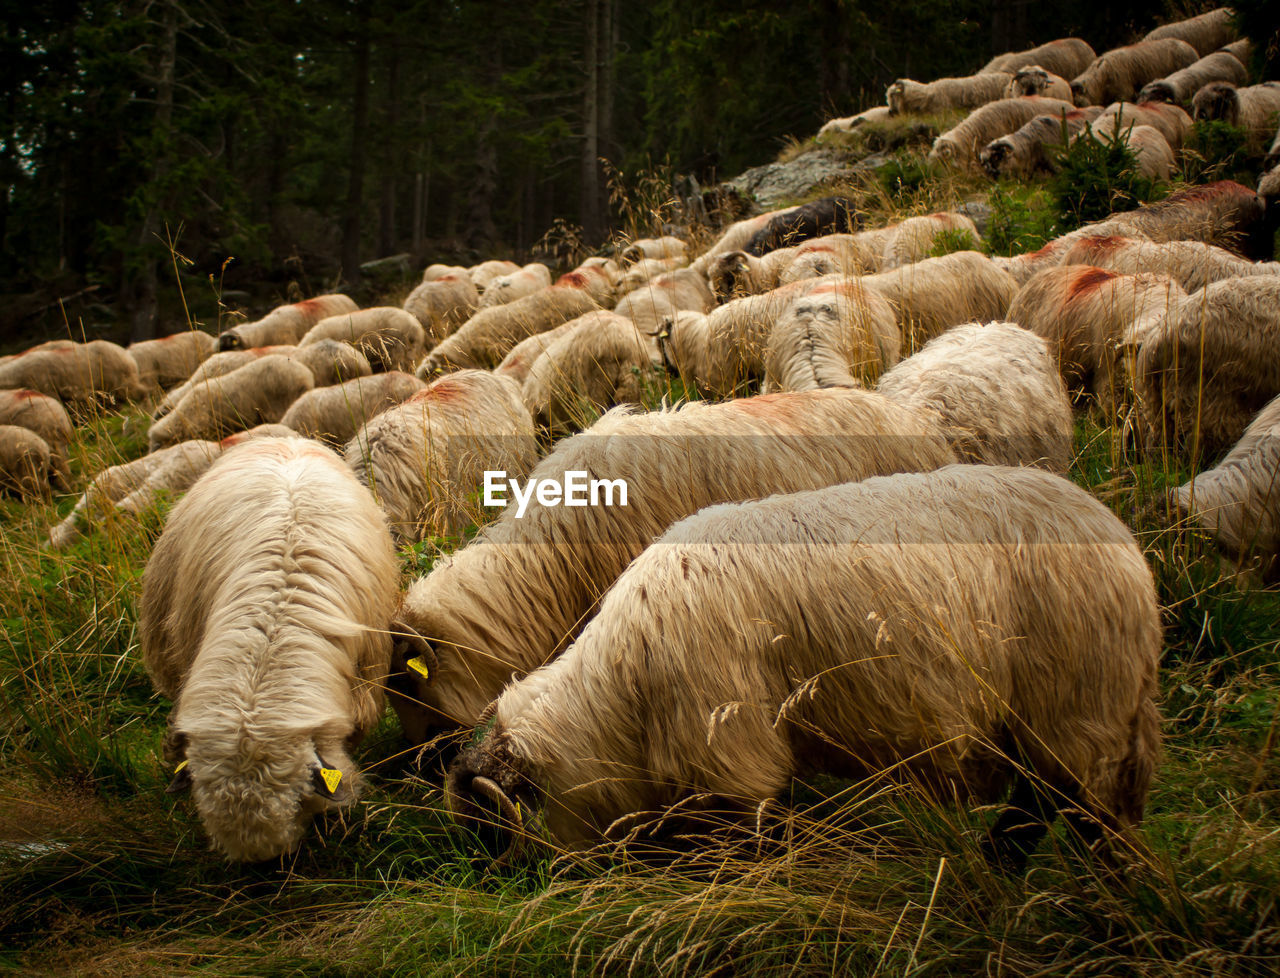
(271, 142)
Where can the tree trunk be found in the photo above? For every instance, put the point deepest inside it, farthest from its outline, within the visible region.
(142, 293)
(589, 208)
(387, 238)
(356, 167)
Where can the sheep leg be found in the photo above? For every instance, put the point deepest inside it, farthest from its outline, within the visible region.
(1020, 827)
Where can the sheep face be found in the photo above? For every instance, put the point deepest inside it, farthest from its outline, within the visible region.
(257, 797)
(1079, 96)
(993, 156)
(230, 341)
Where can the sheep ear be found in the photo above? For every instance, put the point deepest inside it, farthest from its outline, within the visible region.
(326, 780)
(181, 779)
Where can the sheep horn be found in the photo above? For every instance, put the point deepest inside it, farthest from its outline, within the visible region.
(510, 812)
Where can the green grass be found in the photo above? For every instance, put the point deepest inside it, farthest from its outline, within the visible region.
(103, 873)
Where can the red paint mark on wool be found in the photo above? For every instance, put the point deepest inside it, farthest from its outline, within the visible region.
(574, 280)
(767, 405)
(233, 440)
(25, 394)
(309, 305)
(444, 389)
(1087, 280)
(1103, 244)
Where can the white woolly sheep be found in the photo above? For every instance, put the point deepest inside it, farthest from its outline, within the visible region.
(1121, 72)
(994, 391)
(518, 594)
(524, 354)
(734, 274)
(257, 393)
(959, 146)
(1238, 501)
(1205, 371)
(331, 361)
(1151, 151)
(81, 375)
(489, 335)
(443, 304)
(1205, 33)
(1092, 319)
(438, 270)
(45, 416)
(906, 95)
(515, 285)
(483, 274)
(285, 324)
(1171, 120)
(735, 237)
(390, 338)
(263, 619)
(837, 335)
(669, 293)
(1254, 109)
(960, 631)
(665, 247)
(27, 468)
(1023, 153)
(598, 363)
(933, 295)
(1035, 80)
(334, 414)
(423, 457)
(877, 113)
(1067, 56)
(171, 360)
(1224, 213)
(1181, 86)
(837, 254)
(1191, 263)
(645, 270)
(218, 365)
(915, 237)
(598, 277)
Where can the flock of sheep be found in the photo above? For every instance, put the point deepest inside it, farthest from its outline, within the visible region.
(856, 554)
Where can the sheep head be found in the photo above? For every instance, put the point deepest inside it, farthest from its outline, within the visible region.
(487, 787)
(993, 157)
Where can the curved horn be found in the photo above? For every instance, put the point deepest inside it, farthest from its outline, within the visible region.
(510, 812)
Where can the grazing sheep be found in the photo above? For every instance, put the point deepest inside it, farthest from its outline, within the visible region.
(1205, 33)
(334, 414)
(483, 274)
(41, 347)
(423, 457)
(933, 295)
(645, 270)
(1206, 370)
(1241, 50)
(837, 335)
(915, 237)
(734, 274)
(437, 270)
(906, 95)
(27, 468)
(45, 416)
(836, 254)
(1191, 263)
(81, 375)
(186, 462)
(1092, 318)
(442, 305)
(1172, 122)
(390, 338)
(720, 352)
(1121, 72)
(1225, 214)
(598, 277)
(1151, 151)
(1238, 500)
(1220, 66)
(524, 354)
(664, 296)
(668, 246)
(1067, 56)
(517, 595)
(170, 360)
(1034, 80)
(257, 393)
(735, 237)
(331, 361)
(489, 335)
(1023, 153)
(994, 391)
(285, 324)
(263, 618)
(589, 369)
(828, 215)
(218, 365)
(959, 146)
(878, 113)
(960, 631)
(1254, 109)
(515, 285)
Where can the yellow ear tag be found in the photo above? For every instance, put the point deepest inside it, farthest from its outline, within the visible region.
(419, 666)
(332, 778)
(179, 768)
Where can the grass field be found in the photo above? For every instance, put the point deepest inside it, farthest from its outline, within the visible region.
(102, 873)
